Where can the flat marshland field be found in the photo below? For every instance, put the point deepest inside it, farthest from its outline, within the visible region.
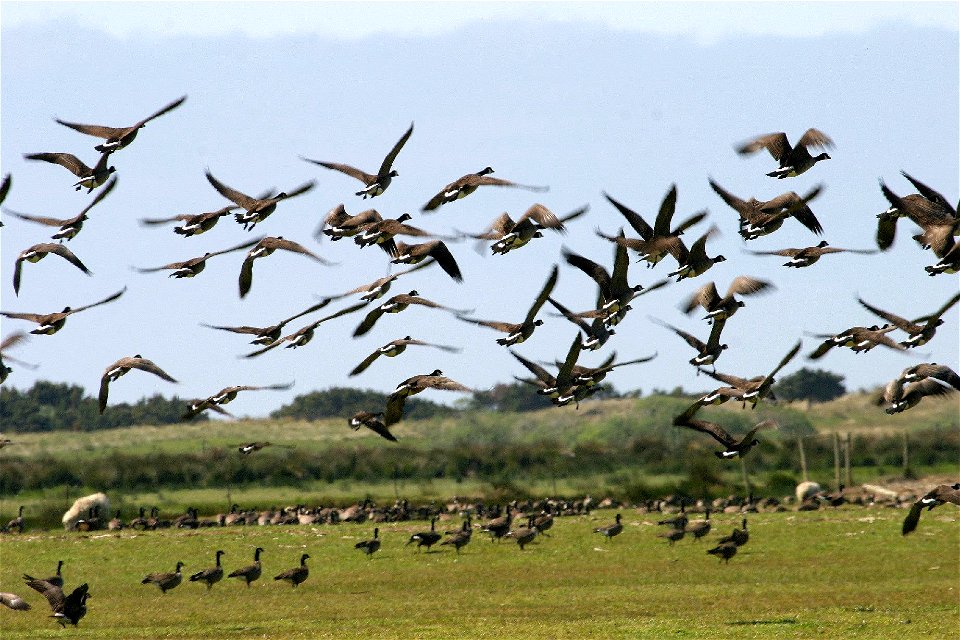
(834, 573)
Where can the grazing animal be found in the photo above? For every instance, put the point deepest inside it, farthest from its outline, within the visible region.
(250, 572)
(673, 535)
(296, 575)
(165, 581)
(523, 535)
(611, 530)
(210, 576)
(17, 523)
(724, 551)
(937, 496)
(700, 528)
(426, 538)
(498, 527)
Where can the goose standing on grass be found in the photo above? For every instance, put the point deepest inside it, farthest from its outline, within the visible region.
(738, 537)
(13, 601)
(210, 576)
(523, 535)
(677, 522)
(255, 209)
(414, 385)
(544, 521)
(519, 332)
(395, 348)
(370, 546)
(700, 528)
(193, 223)
(50, 323)
(69, 227)
(793, 160)
(808, 255)
(732, 446)
(941, 494)
(90, 177)
(920, 330)
(38, 252)
(17, 523)
(721, 308)
(498, 527)
(250, 572)
(193, 266)
(426, 538)
(673, 535)
(372, 421)
(120, 368)
(610, 530)
(165, 581)
(296, 575)
(464, 186)
(461, 538)
(374, 185)
(117, 138)
(266, 247)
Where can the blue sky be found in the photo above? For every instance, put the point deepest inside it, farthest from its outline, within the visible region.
(585, 98)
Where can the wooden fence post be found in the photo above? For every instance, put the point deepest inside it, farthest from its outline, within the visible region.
(803, 460)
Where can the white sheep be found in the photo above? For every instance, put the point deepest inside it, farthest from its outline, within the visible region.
(807, 490)
(82, 507)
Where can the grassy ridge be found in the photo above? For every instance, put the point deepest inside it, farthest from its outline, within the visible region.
(841, 573)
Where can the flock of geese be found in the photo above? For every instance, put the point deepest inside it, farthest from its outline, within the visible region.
(563, 381)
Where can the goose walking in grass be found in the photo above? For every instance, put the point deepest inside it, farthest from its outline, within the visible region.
(256, 210)
(732, 447)
(809, 255)
(611, 530)
(700, 528)
(374, 185)
(395, 348)
(461, 538)
(523, 535)
(194, 266)
(498, 527)
(941, 494)
(794, 159)
(724, 551)
(677, 522)
(673, 535)
(68, 227)
(372, 421)
(266, 247)
(464, 186)
(193, 224)
(920, 330)
(38, 252)
(738, 537)
(435, 249)
(519, 332)
(165, 581)
(49, 323)
(296, 575)
(90, 177)
(117, 138)
(210, 576)
(426, 538)
(120, 368)
(250, 572)
(371, 546)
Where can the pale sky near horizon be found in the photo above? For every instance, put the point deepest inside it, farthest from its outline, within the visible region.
(623, 98)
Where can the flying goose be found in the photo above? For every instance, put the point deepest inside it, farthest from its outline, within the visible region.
(793, 160)
(17, 523)
(414, 385)
(264, 248)
(614, 290)
(519, 332)
(256, 209)
(707, 353)
(382, 232)
(339, 224)
(718, 308)
(732, 446)
(760, 218)
(901, 398)
(426, 538)
(595, 334)
(305, 334)
(10, 341)
(210, 576)
(229, 394)
(374, 185)
(395, 348)
(165, 581)
(464, 186)
(250, 572)
(119, 137)
(808, 255)
(941, 494)
(610, 530)
(372, 421)
(925, 370)
(929, 209)
(120, 368)
(193, 224)
(920, 330)
(5, 187)
(858, 339)
(194, 266)
(396, 304)
(69, 227)
(50, 323)
(523, 535)
(13, 601)
(371, 546)
(750, 390)
(269, 335)
(250, 447)
(508, 234)
(590, 376)
(549, 385)
(91, 178)
(296, 575)
(66, 608)
(436, 249)
(461, 538)
(379, 287)
(949, 263)
(695, 261)
(38, 252)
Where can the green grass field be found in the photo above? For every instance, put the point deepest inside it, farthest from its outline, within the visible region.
(843, 573)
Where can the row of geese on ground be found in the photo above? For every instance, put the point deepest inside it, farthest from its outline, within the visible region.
(928, 209)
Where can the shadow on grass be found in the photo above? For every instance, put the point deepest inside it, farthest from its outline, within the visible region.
(760, 622)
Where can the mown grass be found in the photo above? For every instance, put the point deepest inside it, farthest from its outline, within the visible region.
(840, 573)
